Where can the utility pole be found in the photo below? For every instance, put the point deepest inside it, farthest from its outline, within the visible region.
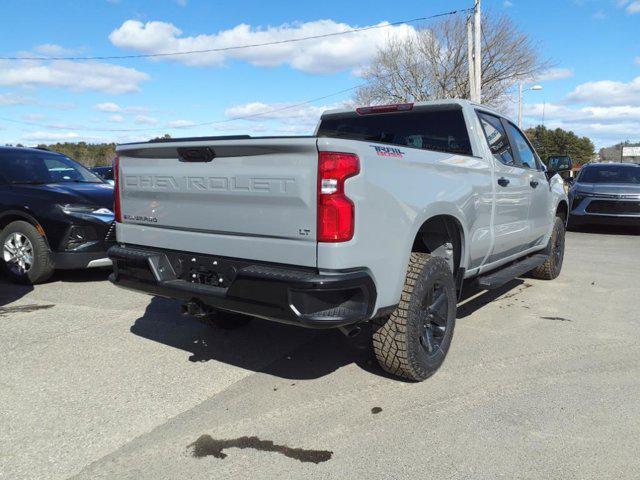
(520, 104)
(477, 50)
(472, 77)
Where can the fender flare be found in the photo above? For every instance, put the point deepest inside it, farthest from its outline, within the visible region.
(27, 217)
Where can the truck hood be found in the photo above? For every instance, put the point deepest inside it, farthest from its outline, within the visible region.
(94, 194)
(608, 188)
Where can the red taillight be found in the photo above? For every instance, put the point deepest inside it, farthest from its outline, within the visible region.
(117, 211)
(335, 210)
(395, 107)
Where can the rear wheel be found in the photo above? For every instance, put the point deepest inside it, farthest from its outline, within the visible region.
(26, 257)
(551, 268)
(413, 341)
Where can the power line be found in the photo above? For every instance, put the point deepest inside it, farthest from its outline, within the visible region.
(191, 125)
(228, 120)
(240, 47)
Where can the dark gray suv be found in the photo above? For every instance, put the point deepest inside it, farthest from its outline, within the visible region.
(606, 193)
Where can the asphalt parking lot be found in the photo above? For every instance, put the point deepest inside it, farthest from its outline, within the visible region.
(542, 381)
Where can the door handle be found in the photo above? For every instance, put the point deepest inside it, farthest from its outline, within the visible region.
(503, 182)
(533, 183)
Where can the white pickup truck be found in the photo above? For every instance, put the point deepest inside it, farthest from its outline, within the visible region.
(380, 216)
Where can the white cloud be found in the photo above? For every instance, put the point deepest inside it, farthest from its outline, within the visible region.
(290, 112)
(60, 106)
(630, 6)
(606, 111)
(53, 50)
(182, 3)
(111, 107)
(13, 99)
(607, 93)
(599, 15)
(591, 114)
(144, 120)
(604, 125)
(295, 130)
(507, 4)
(228, 128)
(33, 117)
(116, 118)
(328, 55)
(554, 74)
(637, 60)
(50, 136)
(76, 76)
(181, 123)
(107, 107)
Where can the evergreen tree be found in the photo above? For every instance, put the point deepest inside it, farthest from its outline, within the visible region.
(561, 142)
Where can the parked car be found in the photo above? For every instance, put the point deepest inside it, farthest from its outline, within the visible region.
(106, 173)
(380, 216)
(54, 214)
(606, 193)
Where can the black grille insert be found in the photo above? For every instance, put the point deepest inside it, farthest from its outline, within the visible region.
(613, 207)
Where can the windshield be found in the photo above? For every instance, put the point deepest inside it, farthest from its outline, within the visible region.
(611, 174)
(32, 167)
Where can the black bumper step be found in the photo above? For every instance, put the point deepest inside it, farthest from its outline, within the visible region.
(498, 278)
(276, 292)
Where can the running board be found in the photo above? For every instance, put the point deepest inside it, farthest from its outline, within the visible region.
(497, 278)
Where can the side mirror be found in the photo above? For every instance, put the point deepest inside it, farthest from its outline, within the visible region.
(558, 164)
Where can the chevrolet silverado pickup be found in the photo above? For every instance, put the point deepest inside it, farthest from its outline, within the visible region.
(380, 216)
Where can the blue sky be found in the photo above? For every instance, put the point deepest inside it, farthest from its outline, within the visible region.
(593, 89)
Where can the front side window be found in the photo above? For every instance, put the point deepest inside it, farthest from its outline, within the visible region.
(524, 152)
(497, 139)
(32, 167)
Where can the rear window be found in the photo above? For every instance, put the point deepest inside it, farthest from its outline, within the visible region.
(433, 129)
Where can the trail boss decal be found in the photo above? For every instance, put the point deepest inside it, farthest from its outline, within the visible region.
(388, 151)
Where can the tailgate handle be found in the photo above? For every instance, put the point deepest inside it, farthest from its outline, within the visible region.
(196, 154)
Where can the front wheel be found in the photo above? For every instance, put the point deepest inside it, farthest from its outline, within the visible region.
(551, 268)
(413, 341)
(25, 255)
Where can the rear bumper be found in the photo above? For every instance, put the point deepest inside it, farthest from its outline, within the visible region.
(73, 260)
(290, 295)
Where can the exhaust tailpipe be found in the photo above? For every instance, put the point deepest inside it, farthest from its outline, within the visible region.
(194, 308)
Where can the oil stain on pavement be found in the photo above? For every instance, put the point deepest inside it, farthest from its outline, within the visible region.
(4, 311)
(205, 446)
(558, 319)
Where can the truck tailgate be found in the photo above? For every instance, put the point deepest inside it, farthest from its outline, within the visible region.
(255, 199)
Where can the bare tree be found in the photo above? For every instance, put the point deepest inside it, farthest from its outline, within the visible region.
(432, 63)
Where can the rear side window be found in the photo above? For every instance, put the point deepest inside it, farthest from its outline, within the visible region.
(497, 138)
(437, 129)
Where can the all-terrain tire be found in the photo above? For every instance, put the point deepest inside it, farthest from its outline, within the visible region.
(552, 267)
(225, 320)
(42, 267)
(399, 340)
